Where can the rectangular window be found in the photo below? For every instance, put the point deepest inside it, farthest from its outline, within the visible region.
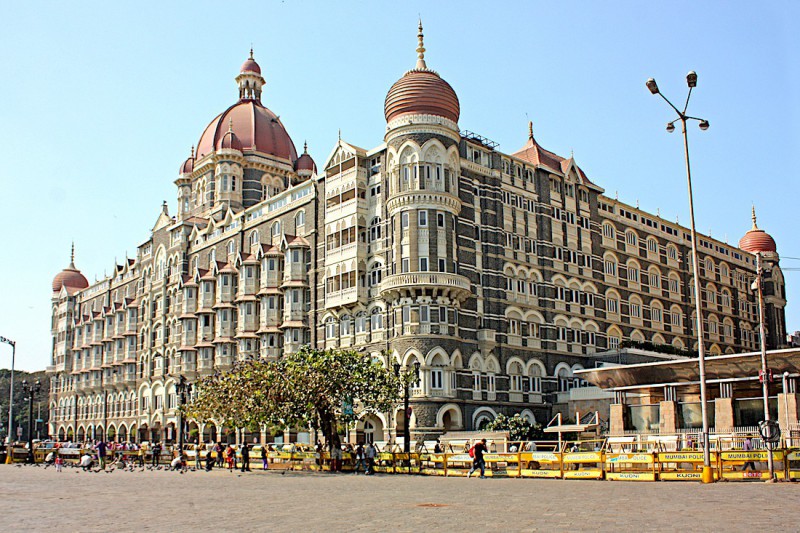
(404, 265)
(440, 220)
(424, 314)
(442, 265)
(422, 217)
(404, 220)
(423, 264)
(437, 380)
(636, 310)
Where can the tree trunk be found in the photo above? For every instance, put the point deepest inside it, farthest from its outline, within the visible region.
(328, 423)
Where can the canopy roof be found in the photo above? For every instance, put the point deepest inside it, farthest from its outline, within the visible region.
(735, 367)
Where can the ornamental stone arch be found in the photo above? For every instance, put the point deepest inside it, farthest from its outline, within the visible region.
(456, 360)
(411, 355)
(437, 357)
(482, 416)
(476, 362)
(449, 417)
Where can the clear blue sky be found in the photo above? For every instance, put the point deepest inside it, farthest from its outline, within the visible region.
(99, 104)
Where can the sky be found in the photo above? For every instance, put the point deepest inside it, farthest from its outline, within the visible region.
(101, 102)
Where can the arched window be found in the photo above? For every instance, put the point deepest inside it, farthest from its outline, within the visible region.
(376, 319)
(231, 249)
(254, 240)
(300, 219)
(330, 328)
(276, 228)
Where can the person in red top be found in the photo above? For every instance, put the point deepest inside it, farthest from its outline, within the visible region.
(477, 460)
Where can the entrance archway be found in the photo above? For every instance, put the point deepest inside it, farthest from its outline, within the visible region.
(61, 434)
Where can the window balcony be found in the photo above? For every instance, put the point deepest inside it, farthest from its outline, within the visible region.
(408, 284)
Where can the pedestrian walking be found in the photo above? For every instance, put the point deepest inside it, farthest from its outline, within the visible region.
(198, 452)
(101, 454)
(747, 446)
(476, 452)
(370, 453)
(245, 457)
(264, 457)
(156, 453)
(209, 460)
(219, 451)
(230, 455)
(59, 463)
(360, 459)
(142, 453)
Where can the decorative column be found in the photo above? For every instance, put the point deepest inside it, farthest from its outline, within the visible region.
(723, 408)
(616, 424)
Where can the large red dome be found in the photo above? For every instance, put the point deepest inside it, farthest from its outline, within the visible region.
(421, 92)
(255, 127)
(757, 240)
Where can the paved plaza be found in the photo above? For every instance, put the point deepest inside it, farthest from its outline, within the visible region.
(35, 499)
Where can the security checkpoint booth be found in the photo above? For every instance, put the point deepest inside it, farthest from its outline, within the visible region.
(656, 410)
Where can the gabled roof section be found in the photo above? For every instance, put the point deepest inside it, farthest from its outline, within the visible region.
(534, 154)
(163, 220)
(343, 147)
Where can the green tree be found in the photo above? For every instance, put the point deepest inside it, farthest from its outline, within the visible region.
(322, 389)
(519, 427)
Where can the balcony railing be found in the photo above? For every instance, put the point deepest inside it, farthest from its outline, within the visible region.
(449, 284)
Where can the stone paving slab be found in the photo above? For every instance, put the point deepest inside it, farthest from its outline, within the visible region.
(39, 499)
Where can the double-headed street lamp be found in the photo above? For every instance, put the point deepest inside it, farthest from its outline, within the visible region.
(691, 81)
(406, 415)
(31, 389)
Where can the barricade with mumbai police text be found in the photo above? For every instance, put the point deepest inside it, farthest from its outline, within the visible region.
(630, 466)
(684, 465)
(746, 457)
(541, 459)
(583, 460)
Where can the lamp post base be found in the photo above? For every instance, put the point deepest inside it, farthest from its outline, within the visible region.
(707, 475)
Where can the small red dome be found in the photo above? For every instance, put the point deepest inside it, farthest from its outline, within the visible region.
(757, 240)
(70, 278)
(250, 65)
(305, 162)
(421, 92)
(230, 141)
(188, 165)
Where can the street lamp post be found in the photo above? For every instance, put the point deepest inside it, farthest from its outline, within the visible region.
(765, 379)
(31, 390)
(691, 81)
(9, 442)
(406, 414)
(10, 390)
(183, 388)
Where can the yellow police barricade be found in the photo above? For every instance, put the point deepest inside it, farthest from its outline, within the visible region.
(543, 462)
(458, 464)
(684, 465)
(384, 462)
(740, 464)
(406, 463)
(793, 463)
(737, 463)
(502, 464)
(72, 455)
(580, 464)
(433, 464)
(633, 466)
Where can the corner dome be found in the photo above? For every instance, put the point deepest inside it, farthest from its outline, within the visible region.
(70, 277)
(305, 162)
(421, 91)
(757, 240)
(188, 166)
(230, 141)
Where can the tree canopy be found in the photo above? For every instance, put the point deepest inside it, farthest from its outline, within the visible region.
(310, 388)
(519, 427)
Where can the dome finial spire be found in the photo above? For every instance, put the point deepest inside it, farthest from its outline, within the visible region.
(192, 151)
(754, 216)
(305, 147)
(421, 49)
(530, 129)
(72, 256)
(251, 51)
